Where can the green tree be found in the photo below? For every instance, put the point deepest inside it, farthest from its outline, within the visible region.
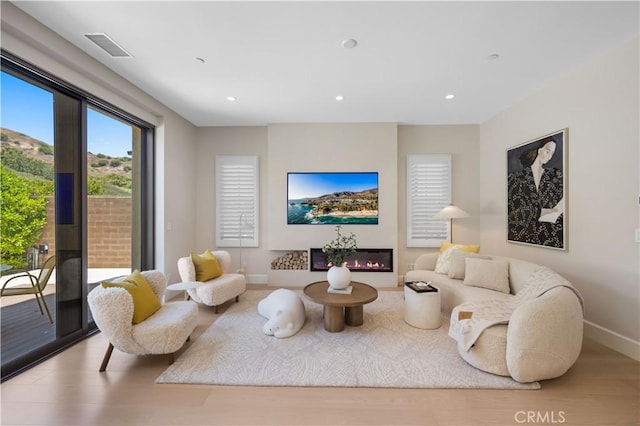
(22, 215)
(94, 187)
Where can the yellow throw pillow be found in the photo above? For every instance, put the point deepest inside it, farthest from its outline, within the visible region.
(469, 248)
(207, 266)
(145, 301)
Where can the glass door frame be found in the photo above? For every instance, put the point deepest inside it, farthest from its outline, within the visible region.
(70, 125)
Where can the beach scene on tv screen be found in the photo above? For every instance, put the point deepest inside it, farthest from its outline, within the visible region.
(332, 198)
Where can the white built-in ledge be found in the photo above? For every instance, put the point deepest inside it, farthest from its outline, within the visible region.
(370, 266)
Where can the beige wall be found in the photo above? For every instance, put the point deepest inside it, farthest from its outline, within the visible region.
(463, 143)
(176, 199)
(282, 148)
(335, 147)
(598, 103)
(212, 141)
(355, 147)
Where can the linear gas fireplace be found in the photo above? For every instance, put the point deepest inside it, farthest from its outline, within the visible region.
(368, 260)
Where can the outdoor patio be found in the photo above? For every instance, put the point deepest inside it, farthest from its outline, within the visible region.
(22, 327)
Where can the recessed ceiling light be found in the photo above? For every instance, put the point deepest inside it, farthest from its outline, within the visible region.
(450, 96)
(231, 98)
(493, 57)
(349, 43)
(339, 98)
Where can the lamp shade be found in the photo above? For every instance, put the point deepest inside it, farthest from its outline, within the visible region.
(451, 212)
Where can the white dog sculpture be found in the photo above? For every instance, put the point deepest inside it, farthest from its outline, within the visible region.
(285, 311)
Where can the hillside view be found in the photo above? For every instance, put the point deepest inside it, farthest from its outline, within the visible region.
(27, 178)
(344, 202)
(29, 158)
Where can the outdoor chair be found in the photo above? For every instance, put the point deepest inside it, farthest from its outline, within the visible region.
(35, 285)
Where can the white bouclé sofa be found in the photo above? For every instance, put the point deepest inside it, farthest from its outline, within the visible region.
(531, 331)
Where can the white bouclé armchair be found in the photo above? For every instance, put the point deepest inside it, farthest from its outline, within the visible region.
(164, 332)
(216, 291)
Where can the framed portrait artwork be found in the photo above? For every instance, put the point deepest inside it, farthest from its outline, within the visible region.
(537, 192)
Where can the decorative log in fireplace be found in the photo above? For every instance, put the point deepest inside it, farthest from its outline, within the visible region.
(364, 259)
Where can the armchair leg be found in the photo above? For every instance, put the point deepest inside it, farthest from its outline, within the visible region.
(237, 299)
(106, 358)
(215, 309)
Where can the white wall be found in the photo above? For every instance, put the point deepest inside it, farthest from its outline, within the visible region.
(598, 103)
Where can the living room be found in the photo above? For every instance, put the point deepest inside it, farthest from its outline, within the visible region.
(596, 100)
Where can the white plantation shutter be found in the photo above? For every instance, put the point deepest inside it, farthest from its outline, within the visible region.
(236, 201)
(428, 192)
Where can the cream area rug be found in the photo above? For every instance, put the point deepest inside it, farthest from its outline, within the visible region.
(383, 352)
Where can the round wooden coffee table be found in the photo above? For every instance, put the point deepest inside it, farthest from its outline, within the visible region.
(339, 309)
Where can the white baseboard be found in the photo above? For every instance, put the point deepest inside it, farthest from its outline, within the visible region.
(257, 279)
(613, 340)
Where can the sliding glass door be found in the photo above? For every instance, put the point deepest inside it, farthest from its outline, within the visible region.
(84, 170)
(110, 148)
(27, 225)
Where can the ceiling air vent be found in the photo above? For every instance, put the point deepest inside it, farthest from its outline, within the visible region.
(107, 44)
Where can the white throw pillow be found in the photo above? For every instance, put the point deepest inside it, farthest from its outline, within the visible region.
(442, 265)
(490, 274)
(457, 264)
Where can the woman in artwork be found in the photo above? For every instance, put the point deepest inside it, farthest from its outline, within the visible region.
(536, 199)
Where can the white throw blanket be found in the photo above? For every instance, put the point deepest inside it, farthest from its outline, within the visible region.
(488, 313)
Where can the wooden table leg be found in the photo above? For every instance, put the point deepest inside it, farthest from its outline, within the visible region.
(354, 316)
(333, 318)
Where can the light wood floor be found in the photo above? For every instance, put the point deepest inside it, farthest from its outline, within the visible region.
(601, 388)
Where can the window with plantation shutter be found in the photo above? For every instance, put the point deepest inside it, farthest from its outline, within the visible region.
(428, 192)
(236, 201)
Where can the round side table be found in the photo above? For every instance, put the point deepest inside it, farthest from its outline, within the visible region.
(422, 309)
(184, 286)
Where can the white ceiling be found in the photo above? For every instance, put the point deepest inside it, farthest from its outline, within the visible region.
(284, 63)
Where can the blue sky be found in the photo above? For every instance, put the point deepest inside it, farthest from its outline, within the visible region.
(302, 185)
(28, 109)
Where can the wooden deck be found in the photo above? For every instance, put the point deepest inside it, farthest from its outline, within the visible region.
(22, 327)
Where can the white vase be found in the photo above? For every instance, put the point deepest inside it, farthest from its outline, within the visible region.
(339, 277)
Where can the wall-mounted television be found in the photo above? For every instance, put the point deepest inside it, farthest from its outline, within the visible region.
(332, 198)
